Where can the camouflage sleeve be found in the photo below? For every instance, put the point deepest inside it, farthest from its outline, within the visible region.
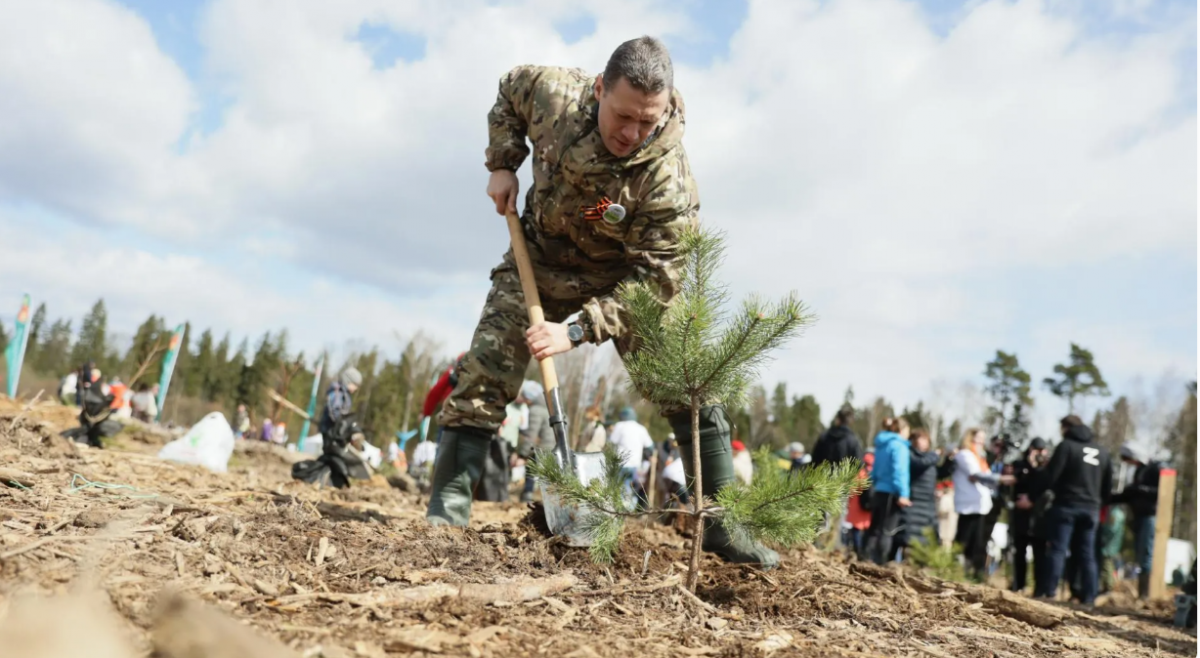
(509, 118)
(668, 203)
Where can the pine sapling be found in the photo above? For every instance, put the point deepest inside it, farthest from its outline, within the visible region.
(687, 355)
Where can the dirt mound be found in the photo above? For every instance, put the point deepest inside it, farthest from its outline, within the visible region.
(359, 573)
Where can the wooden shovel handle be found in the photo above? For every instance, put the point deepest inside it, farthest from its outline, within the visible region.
(533, 302)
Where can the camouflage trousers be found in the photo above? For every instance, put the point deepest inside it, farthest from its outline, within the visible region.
(494, 367)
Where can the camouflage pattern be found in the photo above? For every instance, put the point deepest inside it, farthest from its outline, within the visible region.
(578, 263)
(494, 368)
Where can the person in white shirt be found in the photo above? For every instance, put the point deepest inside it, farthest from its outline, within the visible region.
(631, 439)
(673, 477)
(743, 463)
(973, 483)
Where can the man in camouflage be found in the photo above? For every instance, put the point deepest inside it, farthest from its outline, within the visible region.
(598, 142)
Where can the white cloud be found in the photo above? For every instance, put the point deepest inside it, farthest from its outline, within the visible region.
(70, 272)
(91, 109)
(851, 153)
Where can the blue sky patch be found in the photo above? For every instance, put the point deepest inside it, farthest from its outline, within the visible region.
(174, 25)
(716, 21)
(387, 46)
(576, 28)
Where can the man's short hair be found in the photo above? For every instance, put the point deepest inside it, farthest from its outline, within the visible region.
(1071, 421)
(845, 414)
(644, 62)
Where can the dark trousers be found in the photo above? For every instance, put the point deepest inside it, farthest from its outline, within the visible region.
(493, 485)
(1021, 564)
(974, 543)
(1074, 527)
(1143, 541)
(886, 518)
(852, 539)
(910, 535)
(94, 435)
(678, 490)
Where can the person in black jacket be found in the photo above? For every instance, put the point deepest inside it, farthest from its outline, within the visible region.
(1080, 475)
(1142, 497)
(838, 442)
(1030, 472)
(923, 477)
(95, 403)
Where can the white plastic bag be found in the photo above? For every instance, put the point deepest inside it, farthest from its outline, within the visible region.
(373, 455)
(313, 445)
(209, 443)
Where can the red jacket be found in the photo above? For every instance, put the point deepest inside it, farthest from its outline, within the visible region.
(438, 394)
(855, 514)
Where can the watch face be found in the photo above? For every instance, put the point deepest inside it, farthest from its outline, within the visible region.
(575, 333)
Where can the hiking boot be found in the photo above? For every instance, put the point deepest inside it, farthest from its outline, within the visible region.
(716, 472)
(456, 470)
(1144, 585)
(526, 496)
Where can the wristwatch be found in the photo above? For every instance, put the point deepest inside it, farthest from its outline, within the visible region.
(575, 333)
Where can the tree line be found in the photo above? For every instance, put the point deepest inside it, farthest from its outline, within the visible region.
(214, 373)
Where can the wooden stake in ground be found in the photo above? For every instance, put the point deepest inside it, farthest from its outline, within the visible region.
(1162, 532)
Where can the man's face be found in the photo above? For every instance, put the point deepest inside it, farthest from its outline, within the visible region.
(627, 116)
(922, 443)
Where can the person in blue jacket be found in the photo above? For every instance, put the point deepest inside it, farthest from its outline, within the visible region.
(890, 481)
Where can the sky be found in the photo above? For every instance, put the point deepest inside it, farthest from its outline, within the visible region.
(937, 179)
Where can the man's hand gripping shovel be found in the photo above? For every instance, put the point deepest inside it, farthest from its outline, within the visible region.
(562, 519)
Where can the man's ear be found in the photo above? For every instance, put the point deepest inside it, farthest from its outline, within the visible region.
(598, 88)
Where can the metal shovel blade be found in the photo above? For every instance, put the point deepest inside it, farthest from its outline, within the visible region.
(563, 519)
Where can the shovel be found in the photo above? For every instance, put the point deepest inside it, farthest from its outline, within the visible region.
(587, 466)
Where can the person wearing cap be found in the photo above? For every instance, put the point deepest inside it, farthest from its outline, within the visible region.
(798, 455)
(339, 399)
(631, 439)
(1141, 495)
(743, 464)
(538, 436)
(1030, 484)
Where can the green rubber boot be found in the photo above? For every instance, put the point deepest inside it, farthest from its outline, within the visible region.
(456, 470)
(716, 472)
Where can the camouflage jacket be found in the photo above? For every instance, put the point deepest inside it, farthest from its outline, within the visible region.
(576, 258)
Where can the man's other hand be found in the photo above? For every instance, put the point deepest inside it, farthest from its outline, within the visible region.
(502, 188)
(546, 339)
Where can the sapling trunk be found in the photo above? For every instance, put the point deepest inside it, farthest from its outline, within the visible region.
(698, 505)
(690, 354)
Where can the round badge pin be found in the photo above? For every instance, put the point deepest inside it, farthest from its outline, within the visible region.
(614, 213)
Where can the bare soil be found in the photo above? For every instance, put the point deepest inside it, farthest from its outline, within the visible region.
(358, 573)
